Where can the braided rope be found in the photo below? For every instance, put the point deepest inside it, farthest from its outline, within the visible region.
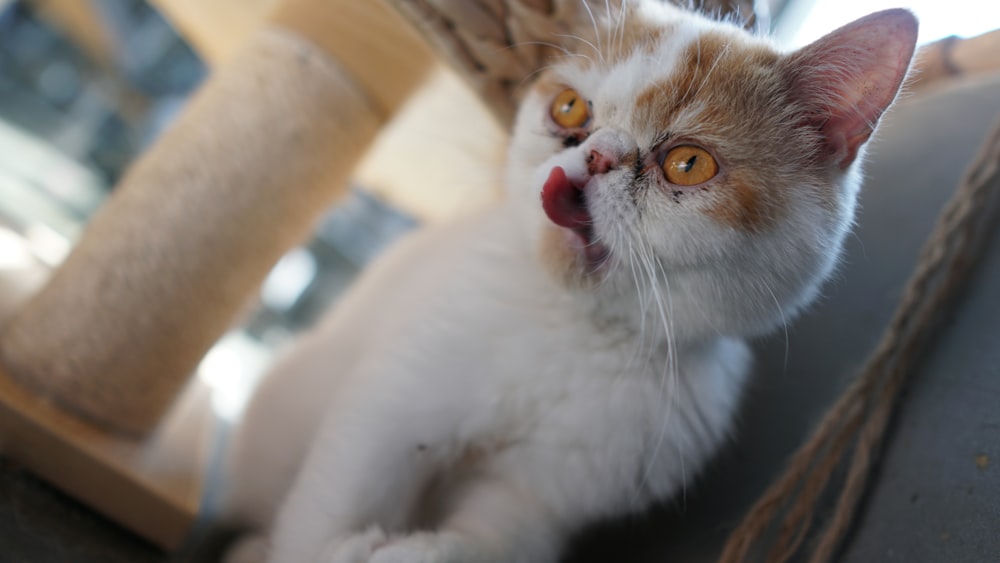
(862, 414)
(495, 45)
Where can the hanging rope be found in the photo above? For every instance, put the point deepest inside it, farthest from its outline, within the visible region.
(862, 414)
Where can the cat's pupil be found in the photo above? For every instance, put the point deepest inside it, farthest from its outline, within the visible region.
(687, 166)
(568, 106)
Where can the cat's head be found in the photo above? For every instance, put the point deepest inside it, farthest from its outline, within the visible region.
(677, 151)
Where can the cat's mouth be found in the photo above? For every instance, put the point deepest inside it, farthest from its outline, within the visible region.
(565, 203)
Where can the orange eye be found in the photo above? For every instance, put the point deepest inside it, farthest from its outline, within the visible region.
(688, 165)
(570, 110)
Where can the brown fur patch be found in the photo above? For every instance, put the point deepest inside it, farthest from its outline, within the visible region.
(660, 101)
(638, 35)
(731, 97)
(745, 206)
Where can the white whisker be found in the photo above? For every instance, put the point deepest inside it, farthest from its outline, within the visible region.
(543, 69)
(715, 64)
(600, 55)
(597, 33)
(784, 324)
(668, 379)
(561, 48)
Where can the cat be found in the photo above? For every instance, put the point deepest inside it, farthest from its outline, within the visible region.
(578, 350)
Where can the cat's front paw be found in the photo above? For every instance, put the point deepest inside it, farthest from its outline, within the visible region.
(424, 548)
(357, 548)
(405, 551)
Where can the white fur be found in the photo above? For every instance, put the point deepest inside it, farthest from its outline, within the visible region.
(463, 404)
(518, 371)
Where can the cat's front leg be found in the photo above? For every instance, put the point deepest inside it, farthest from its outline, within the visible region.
(430, 547)
(363, 475)
(493, 521)
(355, 548)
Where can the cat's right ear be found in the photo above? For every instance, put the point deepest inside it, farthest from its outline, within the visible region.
(847, 79)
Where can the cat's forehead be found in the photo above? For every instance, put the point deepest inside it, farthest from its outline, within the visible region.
(665, 72)
(643, 50)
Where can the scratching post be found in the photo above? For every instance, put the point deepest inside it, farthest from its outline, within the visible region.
(189, 235)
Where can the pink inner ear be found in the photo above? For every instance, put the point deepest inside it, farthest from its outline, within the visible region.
(849, 77)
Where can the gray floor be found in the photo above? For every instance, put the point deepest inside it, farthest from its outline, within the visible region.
(38, 524)
(938, 489)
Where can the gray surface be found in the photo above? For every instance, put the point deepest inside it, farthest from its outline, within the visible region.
(38, 524)
(938, 496)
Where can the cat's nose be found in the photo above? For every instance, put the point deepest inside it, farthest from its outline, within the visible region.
(599, 162)
(606, 150)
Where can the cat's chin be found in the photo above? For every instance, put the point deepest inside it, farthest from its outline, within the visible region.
(572, 257)
(592, 252)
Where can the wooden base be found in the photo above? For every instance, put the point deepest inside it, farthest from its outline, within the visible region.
(103, 471)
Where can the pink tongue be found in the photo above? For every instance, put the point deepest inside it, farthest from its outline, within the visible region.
(563, 202)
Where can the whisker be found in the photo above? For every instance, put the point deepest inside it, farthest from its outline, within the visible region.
(668, 379)
(639, 351)
(784, 325)
(715, 64)
(562, 48)
(544, 68)
(600, 55)
(597, 33)
(673, 361)
(612, 30)
(622, 14)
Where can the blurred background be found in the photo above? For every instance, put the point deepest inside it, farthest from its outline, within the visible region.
(86, 85)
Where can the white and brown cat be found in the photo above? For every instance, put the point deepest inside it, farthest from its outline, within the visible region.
(576, 351)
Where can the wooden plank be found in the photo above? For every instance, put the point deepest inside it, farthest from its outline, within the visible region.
(217, 29)
(445, 110)
(103, 471)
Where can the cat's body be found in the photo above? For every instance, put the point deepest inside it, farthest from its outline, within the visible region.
(504, 399)
(574, 352)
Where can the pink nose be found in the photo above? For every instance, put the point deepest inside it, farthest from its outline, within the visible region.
(599, 162)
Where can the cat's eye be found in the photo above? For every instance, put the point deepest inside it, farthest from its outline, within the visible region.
(570, 110)
(688, 165)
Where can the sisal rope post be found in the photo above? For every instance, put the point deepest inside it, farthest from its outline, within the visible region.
(165, 266)
(862, 414)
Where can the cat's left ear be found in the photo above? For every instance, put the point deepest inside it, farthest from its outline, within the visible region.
(848, 78)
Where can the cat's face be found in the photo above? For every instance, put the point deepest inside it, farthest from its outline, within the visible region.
(688, 151)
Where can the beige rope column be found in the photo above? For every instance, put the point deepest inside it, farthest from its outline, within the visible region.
(262, 149)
